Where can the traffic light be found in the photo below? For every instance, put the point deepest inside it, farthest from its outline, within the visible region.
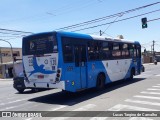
(144, 22)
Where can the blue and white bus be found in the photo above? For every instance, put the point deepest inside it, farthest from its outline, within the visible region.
(74, 62)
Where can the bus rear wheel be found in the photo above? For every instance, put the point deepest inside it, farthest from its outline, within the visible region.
(100, 82)
(131, 74)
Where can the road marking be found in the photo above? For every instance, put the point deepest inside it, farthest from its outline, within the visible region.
(144, 75)
(152, 89)
(11, 107)
(29, 119)
(29, 108)
(59, 107)
(1, 104)
(119, 107)
(17, 101)
(143, 102)
(156, 86)
(7, 108)
(84, 108)
(11, 98)
(157, 75)
(140, 118)
(99, 118)
(149, 97)
(154, 93)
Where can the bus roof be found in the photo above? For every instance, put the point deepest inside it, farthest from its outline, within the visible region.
(84, 36)
(94, 37)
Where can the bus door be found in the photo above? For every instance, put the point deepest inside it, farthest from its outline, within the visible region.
(138, 58)
(80, 64)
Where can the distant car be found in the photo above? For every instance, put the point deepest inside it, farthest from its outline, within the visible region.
(142, 68)
(18, 84)
(155, 62)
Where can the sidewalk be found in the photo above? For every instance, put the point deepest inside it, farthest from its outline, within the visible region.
(7, 79)
(151, 63)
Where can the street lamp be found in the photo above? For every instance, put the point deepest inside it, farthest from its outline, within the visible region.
(11, 50)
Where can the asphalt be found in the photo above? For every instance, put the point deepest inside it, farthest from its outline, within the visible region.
(140, 94)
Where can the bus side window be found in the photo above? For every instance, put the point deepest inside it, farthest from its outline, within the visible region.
(83, 54)
(116, 52)
(92, 50)
(125, 50)
(96, 49)
(55, 46)
(138, 49)
(135, 51)
(131, 50)
(105, 51)
(68, 53)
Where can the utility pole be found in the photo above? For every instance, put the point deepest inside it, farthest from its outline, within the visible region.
(153, 50)
(1, 56)
(100, 32)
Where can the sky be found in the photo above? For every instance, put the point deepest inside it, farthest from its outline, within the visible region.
(48, 15)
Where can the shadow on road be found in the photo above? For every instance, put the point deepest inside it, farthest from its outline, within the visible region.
(70, 99)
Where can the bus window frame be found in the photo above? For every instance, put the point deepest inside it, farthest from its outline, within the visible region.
(66, 41)
(116, 51)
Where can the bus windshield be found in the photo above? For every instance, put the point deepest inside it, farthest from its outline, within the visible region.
(39, 44)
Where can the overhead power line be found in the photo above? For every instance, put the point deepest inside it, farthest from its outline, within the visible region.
(8, 30)
(12, 33)
(110, 25)
(153, 20)
(117, 21)
(106, 17)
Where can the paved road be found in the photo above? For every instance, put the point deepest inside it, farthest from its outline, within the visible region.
(141, 94)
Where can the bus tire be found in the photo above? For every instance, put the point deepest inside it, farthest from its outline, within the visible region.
(100, 81)
(20, 90)
(131, 74)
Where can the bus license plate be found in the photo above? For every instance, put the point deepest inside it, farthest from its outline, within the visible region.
(40, 76)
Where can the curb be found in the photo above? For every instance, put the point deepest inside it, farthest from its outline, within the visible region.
(150, 63)
(6, 79)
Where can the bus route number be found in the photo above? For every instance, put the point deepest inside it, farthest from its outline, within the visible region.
(30, 62)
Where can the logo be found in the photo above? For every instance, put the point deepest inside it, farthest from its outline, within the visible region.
(39, 68)
(6, 114)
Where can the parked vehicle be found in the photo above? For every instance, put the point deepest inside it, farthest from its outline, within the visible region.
(143, 68)
(155, 62)
(18, 84)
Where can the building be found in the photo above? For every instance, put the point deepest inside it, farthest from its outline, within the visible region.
(148, 57)
(6, 54)
(6, 61)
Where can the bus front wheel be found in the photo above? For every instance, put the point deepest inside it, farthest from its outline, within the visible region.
(20, 90)
(100, 81)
